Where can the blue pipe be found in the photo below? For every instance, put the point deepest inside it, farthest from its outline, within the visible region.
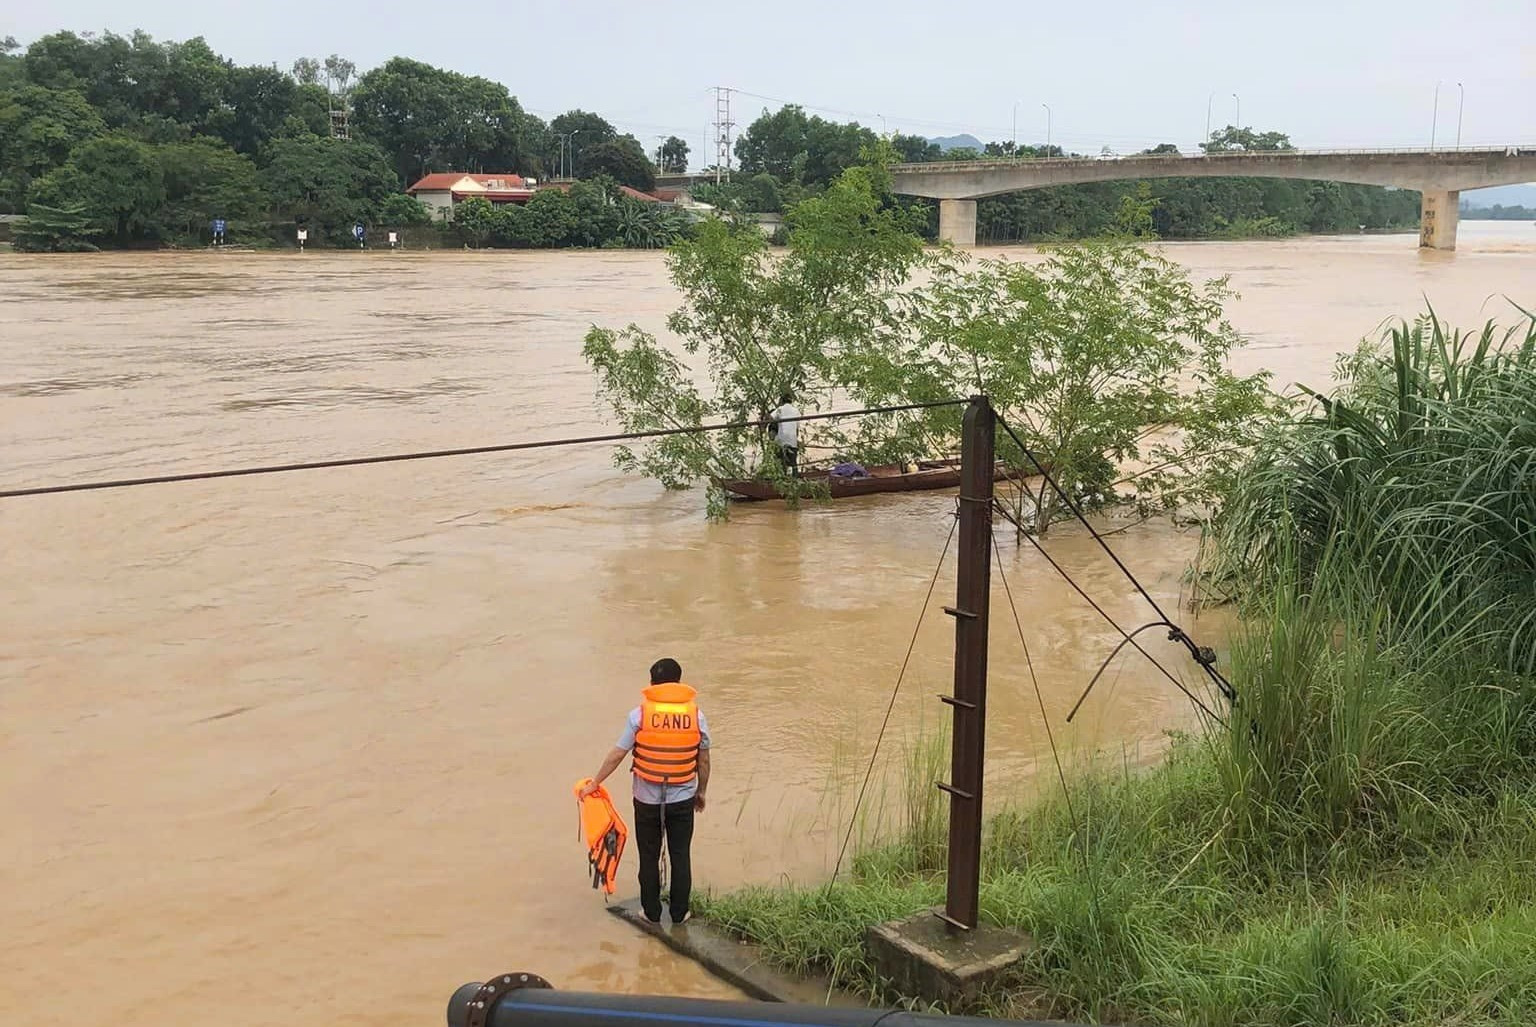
(542, 1007)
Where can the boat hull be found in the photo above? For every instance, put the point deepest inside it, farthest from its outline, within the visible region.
(883, 478)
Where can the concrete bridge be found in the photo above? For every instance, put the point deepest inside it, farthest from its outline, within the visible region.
(1439, 175)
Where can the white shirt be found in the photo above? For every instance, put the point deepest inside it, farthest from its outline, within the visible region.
(789, 430)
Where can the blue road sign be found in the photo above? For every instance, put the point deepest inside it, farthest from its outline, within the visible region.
(357, 232)
(218, 226)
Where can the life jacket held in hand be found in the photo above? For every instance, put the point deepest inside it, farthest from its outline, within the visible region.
(604, 832)
(667, 742)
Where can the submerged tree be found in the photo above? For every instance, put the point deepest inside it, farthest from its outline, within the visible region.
(1106, 359)
(763, 325)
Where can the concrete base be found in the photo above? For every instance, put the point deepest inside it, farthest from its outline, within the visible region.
(1439, 214)
(923, 957)
(734, 961)
(957, 222)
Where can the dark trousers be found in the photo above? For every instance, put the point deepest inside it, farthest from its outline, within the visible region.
(675, 819)
(789, 457)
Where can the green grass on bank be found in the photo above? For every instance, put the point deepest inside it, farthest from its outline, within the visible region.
(1360, 846)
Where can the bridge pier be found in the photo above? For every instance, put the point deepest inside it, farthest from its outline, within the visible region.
(1439, 213)
(957, 222)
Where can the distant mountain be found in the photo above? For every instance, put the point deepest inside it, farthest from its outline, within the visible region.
(947, 143)
(1504, 195)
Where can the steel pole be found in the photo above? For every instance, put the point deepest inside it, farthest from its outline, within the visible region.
(1208, 101)
(1434, 118)
(1461, 106)
(1047, 128)
(973, 591)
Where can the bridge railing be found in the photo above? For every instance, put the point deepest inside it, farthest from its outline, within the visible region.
(1523, 150)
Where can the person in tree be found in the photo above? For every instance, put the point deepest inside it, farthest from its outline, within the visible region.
(784, 427)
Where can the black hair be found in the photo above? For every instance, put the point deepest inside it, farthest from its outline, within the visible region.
(785, 397)
(666, 671)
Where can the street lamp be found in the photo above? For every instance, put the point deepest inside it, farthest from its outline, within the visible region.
(565, 149)
(1434, 118)
(1013, 133)
(1208, 101)
(1239, 101)
(1047, 128)
(1461, 106)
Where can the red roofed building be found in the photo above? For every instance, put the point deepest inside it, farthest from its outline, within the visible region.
(442, 190)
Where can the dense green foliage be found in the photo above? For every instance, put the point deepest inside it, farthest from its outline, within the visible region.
(592, 213)
(764, 325)
(800, 153)
(1422, 466)
(1109, 362)
(150, 142)
(1499, 212)
(1357, 848)
(1105, 358)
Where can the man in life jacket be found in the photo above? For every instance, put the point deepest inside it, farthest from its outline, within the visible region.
(669, 741)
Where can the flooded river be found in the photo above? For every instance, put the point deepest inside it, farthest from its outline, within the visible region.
(299, 748)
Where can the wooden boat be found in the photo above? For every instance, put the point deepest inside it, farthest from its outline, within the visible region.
(930, 474)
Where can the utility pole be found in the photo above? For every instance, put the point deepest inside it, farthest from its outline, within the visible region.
(1434, 117)
(973, 590)
(1047, 128)
(1461, 106)
(723, 126)
(567, 151)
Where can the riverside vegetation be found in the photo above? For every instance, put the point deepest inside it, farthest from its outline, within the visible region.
(110, 141)
(1356, 843)
(1358, 846)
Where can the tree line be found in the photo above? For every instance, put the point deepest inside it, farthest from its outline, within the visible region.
(1499, 212)
(788, 154)
(109, 140)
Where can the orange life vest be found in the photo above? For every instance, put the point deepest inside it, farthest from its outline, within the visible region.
(667, 743)
(604, 832)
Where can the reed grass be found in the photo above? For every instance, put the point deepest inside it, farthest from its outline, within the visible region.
(1360, 846)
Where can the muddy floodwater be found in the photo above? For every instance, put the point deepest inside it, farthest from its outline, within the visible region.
(299, 749)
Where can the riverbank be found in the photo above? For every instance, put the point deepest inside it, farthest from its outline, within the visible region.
(240, 718)
(1356, 844)
(1142, 911)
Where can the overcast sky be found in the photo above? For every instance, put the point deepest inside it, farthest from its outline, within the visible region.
(1122, 73)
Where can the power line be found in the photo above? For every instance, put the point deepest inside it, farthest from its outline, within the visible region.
(1030, 663)
(869, 770)
(1010, 518)
(511, 447)
(1202, 656)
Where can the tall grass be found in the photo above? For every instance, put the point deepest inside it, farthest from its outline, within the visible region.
(1421, 473)
(1360, 846)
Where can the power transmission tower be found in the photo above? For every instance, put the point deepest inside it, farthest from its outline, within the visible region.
(723, 126)
(338, 80)
(340, 127)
